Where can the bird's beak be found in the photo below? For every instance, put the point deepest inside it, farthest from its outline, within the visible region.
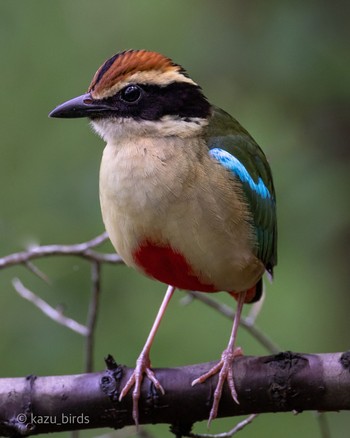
(81, 106)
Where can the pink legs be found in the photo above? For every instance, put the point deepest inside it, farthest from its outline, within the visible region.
(224, 366)
(143, 363)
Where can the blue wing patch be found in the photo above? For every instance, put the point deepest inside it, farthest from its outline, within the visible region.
(235, 166)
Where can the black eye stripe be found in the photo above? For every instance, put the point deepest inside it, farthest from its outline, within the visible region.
(180, 99)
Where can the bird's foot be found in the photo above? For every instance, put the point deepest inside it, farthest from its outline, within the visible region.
(143, 366)
(224, 368)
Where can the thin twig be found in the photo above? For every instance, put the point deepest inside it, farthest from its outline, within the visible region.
(92, 314)
(80, 249)
(323, 424)
(241, 425)
(48, 310)
(245, 322)
(36, 271)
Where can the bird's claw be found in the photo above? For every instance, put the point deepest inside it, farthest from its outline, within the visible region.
(224, 368)
(143, 366)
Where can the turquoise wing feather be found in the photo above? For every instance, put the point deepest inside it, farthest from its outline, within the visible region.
(235, 149)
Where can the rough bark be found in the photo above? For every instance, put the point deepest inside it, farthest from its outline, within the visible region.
(284, 382)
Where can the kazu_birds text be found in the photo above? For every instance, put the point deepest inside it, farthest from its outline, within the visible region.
(186, 194)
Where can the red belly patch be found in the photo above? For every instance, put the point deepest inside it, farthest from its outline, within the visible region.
(168, 266)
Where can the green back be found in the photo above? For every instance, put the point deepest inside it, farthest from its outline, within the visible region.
(226, 133)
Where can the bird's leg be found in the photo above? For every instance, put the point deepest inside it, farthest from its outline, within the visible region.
(224, 366)
(143, 363)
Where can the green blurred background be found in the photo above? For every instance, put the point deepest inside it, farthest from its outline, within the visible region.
(282, 69)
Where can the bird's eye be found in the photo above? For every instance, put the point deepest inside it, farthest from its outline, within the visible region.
(131, 93)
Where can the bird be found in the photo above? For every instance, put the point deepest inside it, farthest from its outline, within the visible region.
(186, 194)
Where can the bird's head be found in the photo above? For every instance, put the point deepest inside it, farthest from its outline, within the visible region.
(140, 93)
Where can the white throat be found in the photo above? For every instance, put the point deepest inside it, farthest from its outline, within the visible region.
(113, 128)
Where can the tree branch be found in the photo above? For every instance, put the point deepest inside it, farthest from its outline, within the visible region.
(92, 314)
(280, 383)
(80, 249)
(285, 382)
(48, 310)
(241, 425)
